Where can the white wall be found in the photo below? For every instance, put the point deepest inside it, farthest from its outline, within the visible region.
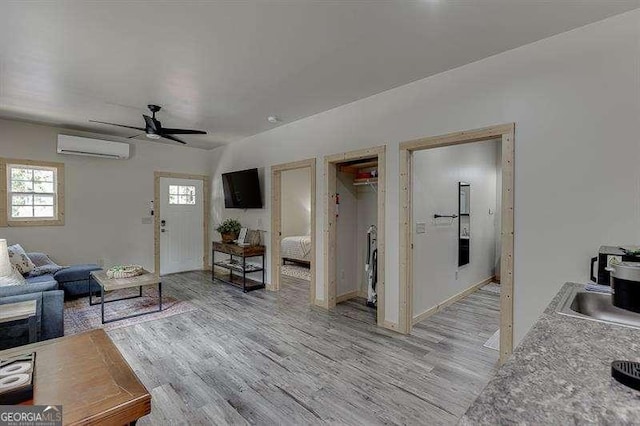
(105, 199)
(357, 211)
(436, 175)
(296, 202)
(346, 235)
(575, 100)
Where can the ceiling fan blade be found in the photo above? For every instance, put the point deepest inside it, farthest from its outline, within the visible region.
(135, 136)
(173, 138)
(119, 125)
(151, 123)
(166, 130)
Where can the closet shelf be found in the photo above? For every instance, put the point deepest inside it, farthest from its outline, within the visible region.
(369, 181)
(354, 168)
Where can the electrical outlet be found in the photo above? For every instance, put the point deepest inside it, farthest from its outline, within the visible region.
(100, 262)
(456, 275)
(260, 223)
(421, 228)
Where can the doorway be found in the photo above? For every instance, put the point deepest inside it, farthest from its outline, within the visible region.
(181, 222)
(505, 133)
(293, 225)
(375, 159)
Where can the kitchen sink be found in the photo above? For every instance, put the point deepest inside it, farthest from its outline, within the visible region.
(597, 307)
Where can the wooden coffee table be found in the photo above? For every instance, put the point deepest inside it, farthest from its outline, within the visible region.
(110, 284)
(88, 376)
(20, 311)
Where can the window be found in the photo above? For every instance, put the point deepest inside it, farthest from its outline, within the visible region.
(34, 191)
(182, 194)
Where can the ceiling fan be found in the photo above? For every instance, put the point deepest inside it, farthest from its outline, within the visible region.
(153, 128)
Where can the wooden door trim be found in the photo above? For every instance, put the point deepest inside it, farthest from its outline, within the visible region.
(505, 132)
(276, 221)
(329, 248)
(156, 222)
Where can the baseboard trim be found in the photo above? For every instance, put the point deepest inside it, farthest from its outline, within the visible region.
(390, 325)
(440, 306)
(320, 303)
(346, 296)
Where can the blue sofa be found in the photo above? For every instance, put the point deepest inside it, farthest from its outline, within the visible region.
(75, 280)
(49, 291)
(49, 311)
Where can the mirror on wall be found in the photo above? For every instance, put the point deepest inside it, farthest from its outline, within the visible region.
(464, 223)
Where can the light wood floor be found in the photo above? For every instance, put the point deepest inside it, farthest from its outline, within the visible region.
(268, 358)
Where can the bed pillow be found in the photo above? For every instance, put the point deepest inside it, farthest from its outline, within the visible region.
(19, 259)
(15, 278)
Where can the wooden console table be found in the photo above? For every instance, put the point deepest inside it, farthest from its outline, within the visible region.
(239, 266)
(88, 376)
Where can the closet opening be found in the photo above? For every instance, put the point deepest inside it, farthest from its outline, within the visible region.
(354, 236)
(293, 227)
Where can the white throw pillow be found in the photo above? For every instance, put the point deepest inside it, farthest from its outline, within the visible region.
(19, 259)
(14, 279)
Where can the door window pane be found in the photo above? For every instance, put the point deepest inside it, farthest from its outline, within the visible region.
(182, 194)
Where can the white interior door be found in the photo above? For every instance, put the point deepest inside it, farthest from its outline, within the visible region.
(181, 225)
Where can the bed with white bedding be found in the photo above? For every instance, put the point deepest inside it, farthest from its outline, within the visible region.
(296, 249)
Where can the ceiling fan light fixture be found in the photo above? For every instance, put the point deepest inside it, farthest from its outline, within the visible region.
(153, 128)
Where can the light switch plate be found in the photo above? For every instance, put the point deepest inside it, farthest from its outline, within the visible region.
(421, 228)
(147, 220)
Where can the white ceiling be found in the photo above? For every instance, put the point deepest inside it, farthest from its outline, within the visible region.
(224, 66)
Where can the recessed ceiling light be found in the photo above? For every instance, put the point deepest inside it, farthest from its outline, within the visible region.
(273, 119)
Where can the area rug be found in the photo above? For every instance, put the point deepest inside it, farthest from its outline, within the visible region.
(493, 342)
(296, 271)
(80, 317)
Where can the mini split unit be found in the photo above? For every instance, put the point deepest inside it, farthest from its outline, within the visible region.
(76, 145)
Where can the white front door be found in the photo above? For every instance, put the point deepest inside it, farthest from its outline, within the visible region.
(181, 225)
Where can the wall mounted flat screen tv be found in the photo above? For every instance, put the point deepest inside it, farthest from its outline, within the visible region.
(242, 190)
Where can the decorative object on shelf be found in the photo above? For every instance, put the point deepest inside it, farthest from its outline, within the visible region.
(254, 237)
(124, 271)
(242, 238)
(16, 378)
(229, 229)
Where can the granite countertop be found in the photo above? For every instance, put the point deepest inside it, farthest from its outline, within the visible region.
(561, 374)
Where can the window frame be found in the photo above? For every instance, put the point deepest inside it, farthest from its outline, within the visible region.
(5, 193)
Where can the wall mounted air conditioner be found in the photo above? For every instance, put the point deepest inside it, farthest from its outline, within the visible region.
(76, 145)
